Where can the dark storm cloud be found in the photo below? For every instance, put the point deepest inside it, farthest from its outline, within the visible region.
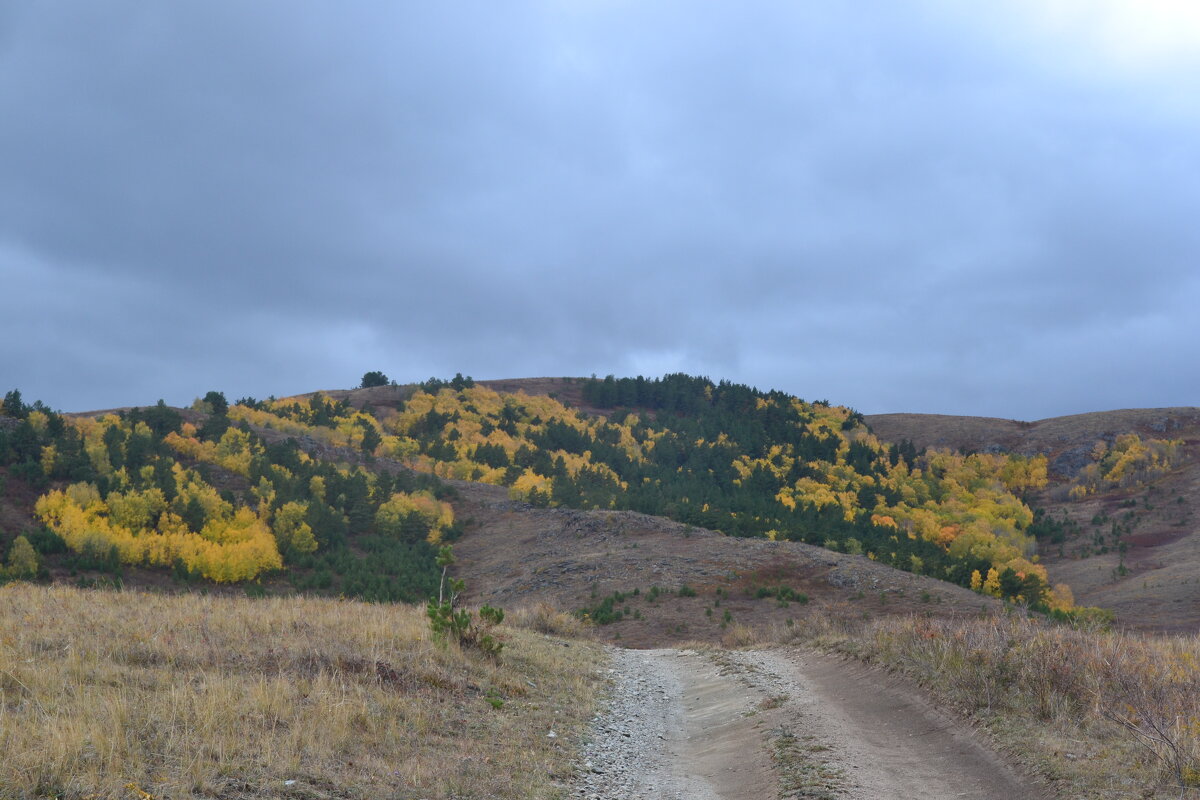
(908, 210)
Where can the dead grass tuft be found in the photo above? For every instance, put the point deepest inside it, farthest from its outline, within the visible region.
(545, 618)
(198, 696)
(739, 635)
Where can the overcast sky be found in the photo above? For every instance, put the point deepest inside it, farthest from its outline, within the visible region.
(944, 207)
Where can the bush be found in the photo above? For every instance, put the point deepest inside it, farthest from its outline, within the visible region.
(784, 594)
(605, 612)
(22, 560)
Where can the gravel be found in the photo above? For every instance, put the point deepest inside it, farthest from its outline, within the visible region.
(629, 748)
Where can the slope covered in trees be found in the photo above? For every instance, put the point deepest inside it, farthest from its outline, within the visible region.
(720, 456)
(218, 502)
(214, 498)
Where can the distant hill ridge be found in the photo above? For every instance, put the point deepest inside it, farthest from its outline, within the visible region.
(1053, 436)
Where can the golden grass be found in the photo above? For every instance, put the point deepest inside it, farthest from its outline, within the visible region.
(545, 618)
(1102, 715)
(129, 695)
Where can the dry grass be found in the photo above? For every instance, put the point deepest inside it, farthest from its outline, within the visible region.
(1101, 714)
(545, 618)
(129, 695)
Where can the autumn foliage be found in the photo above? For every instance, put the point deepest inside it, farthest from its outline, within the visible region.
(213, 499)
(1127, 461)
(721, 456)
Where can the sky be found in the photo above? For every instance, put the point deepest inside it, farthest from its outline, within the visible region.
(962, 208)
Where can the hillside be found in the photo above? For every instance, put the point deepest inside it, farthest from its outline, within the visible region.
(1067, 441)
(350, 492)
(833, 537)
(1134, 549)
(691, 584)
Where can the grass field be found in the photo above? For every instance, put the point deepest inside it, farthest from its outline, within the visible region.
(135, 695)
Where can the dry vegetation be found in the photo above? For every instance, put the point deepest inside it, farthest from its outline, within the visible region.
(122, 694)
(135, 695)
(1102, 715)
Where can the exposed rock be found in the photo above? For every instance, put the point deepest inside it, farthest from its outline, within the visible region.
(1069, 462)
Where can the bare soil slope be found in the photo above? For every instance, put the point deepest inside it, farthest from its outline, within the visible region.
(513, 554)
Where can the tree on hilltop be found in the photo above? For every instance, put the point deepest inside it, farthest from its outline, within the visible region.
(13, 406)
(373, 378)
(216, 403)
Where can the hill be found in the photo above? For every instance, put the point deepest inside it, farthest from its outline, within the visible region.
(773, 520)
(1128, 544)
(1132, 547)
(351, 491)
(1067, 441)
(647, 579)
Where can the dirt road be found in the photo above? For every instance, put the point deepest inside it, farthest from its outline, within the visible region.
(738, 725)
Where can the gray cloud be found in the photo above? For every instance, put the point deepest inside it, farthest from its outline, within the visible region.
(911, 210)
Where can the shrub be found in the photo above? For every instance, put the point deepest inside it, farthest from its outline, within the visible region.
(22, 560)
(605, 612)
(448, 622)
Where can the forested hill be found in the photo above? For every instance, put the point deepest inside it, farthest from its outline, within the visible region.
(303, 486)
(200, 497)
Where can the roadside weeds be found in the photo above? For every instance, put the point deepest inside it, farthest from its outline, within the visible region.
(1098, 715)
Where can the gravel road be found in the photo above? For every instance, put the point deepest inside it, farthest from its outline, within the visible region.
(737, 725)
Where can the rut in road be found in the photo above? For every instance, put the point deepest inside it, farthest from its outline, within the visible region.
(737, 725)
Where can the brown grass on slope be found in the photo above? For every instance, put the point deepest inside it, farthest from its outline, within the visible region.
(116, 694)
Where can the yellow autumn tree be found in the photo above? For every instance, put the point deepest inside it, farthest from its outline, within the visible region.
(235, 451)
(404, 514)
(233, 545)
(136, 510)
(992, 584)
(292, 531)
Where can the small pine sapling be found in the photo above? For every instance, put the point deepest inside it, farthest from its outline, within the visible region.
(448, 622)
